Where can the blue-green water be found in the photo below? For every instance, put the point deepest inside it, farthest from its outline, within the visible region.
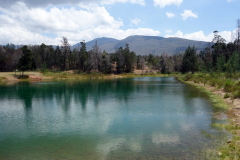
(139, 118)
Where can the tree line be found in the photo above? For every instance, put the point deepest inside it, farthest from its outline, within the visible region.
(62, 58)
(218, 56)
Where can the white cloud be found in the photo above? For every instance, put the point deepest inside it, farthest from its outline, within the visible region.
(188, 13)
(170, 15)
(163, 3)
(199, 36)
(168, 31)
(109, 32)
(18, 35)
(45, 3)
(135, 21)
(24, 25)
(59, 19)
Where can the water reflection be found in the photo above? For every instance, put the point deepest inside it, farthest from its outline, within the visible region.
(126, 118)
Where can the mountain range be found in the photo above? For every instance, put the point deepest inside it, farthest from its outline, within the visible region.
(144, 45)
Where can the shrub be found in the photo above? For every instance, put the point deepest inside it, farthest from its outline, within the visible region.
(228, 86)
(23, 77)
(188, 77)
(236, 93)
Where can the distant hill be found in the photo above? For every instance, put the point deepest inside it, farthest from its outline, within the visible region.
(100, 41)
(144, 45)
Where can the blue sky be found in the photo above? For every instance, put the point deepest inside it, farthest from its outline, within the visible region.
(46, 21)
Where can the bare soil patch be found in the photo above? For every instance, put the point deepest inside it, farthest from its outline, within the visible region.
(12, 77)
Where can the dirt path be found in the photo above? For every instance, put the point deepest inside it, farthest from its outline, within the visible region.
(11, 78)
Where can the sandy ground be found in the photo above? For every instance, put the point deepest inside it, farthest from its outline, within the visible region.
(144, 71)
(234, 104)
(11, 77)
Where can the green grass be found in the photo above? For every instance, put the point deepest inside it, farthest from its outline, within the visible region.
(97, 75)
(216, 80)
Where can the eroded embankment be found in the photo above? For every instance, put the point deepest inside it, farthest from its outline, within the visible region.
(231, 104)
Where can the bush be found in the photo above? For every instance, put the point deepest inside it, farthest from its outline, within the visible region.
(23, 77)
(188, 77)
(44, 69)
(228, 86)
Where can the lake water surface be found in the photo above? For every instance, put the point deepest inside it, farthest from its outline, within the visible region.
(138, 118)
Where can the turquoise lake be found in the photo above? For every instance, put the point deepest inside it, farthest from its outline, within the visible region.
(136, 118)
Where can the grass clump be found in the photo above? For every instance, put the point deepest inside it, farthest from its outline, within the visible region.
(227, 95)
(228, 86)
(236, 93)
(3, 79)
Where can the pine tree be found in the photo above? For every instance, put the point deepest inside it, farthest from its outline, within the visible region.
(190, 60)
(25, 62)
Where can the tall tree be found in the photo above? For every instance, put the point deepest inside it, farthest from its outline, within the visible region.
(25, 62)
(190, 60)
(219, 48)
(105, 64)
(130, 58)
(83, 63)
(65, 48)
(95, 57)
(178, 62)
(238, 35)
(120, 60)
(3, 58)
(56, 57)
(206, 56)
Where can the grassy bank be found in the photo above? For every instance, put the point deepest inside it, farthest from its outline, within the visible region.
(96, 75)
(230, 89)
(71, 75)
(229, 85)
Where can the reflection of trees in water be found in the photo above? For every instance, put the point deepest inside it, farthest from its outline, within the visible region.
(65, 92)
(99, 90)
(195, 99)
(26, 93)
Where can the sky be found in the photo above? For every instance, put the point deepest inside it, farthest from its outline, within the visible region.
(47, 21)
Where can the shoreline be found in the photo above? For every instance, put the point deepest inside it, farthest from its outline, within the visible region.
(10, 77)
(233, 104)
(232, 110)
